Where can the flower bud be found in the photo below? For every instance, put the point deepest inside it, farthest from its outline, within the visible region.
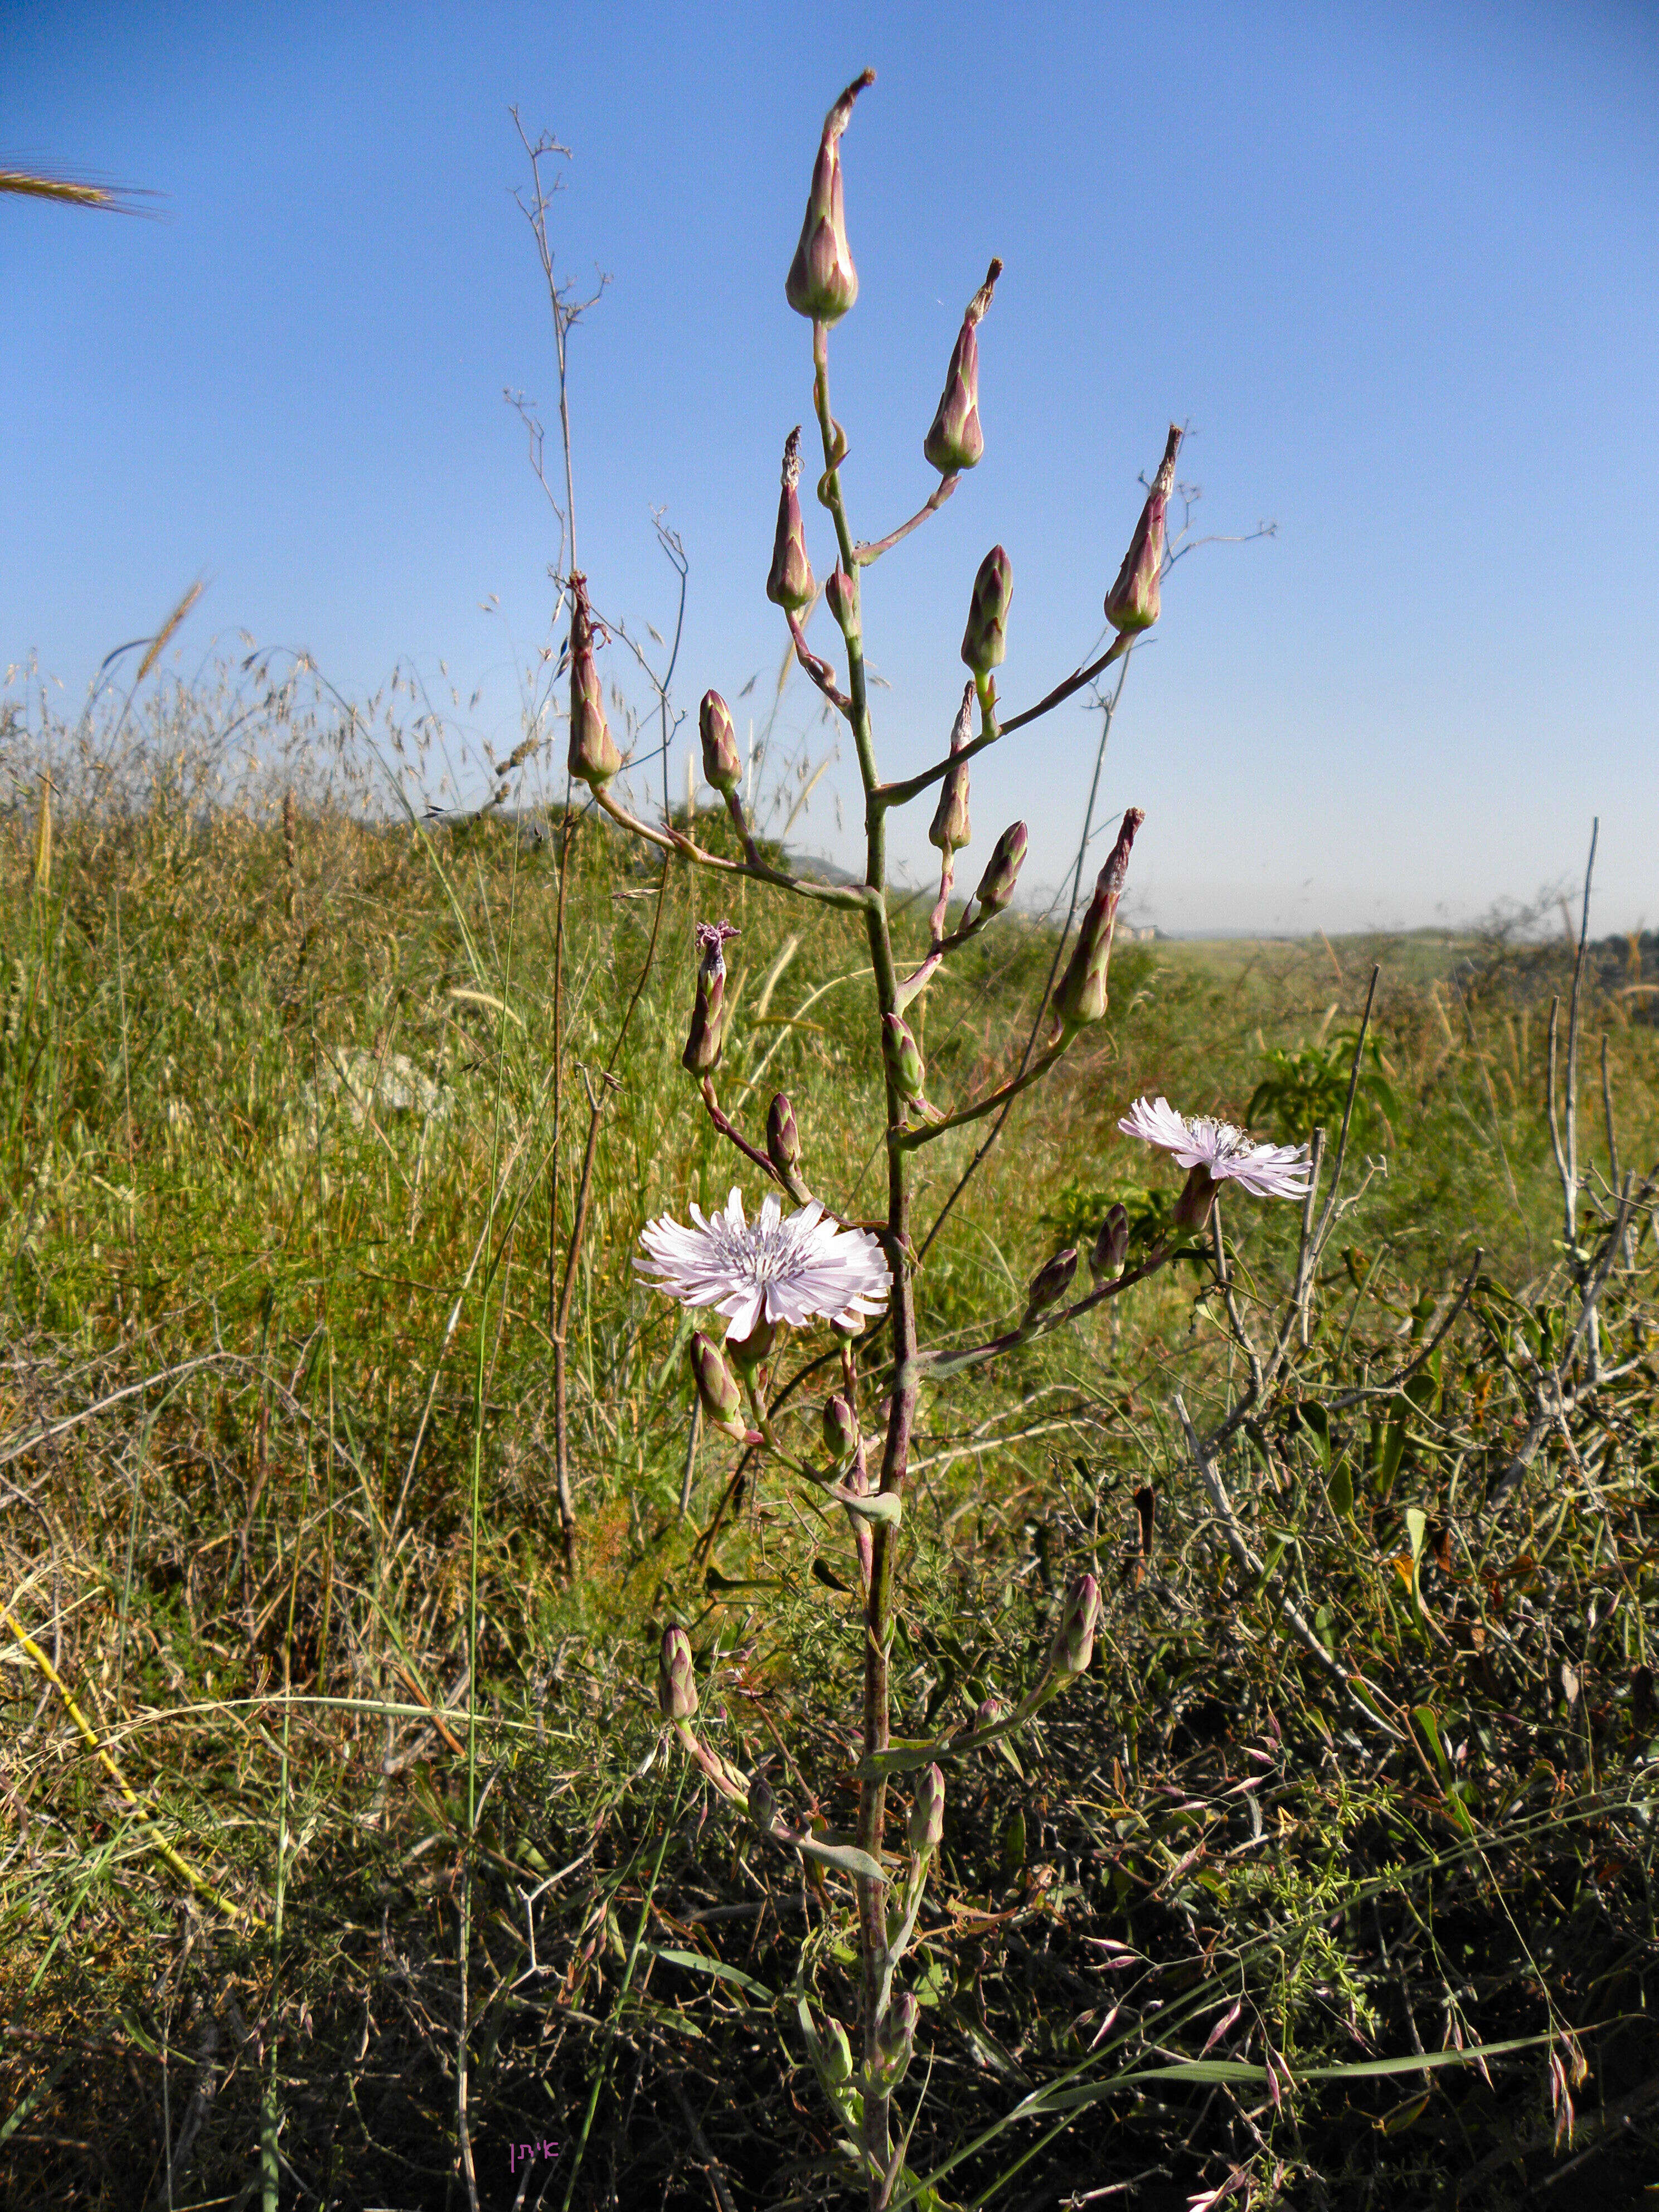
(896, 2038)
(821, 282)
(709, 1011)
(783, 1137)
(717, 1387)
(841, 597)
(950, 831)
(956, 440)
(1132, 602)
(1050, 1283)
(593, 756)
(722, 764)
(747, 1353)
(1191, 1211)
(677, 1678)
(841, 1428)
(762, 1802)
(837, 2054)
(989, 1712)
(789, 582)
(996, 885)
(904, 1061)
(986, 638)
(1074, 1639)
(1106, 1257)
(925, 1826)
(1081, 997)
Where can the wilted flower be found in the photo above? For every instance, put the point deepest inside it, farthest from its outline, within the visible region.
(789, 581)
(1081, 997)
(956, 440)
(1219, 1152)
(821, 282)
(950, 831)
(1106, 1257)
(770, 1269)
(926, 1828)
(996, 885)
(1074, 1639)
(722, 766)
(1132, 602)
(677, 1679)
(593, 756)
(986, 638)
(717, 1387)
(709, 1011)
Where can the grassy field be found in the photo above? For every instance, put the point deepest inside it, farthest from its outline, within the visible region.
(337, 1823)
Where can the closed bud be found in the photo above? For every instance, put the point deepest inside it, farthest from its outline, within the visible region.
(841, 597)
(762, 1802)
(1106, 1256)
(996, 885)
(1081, 997)
(1074, 1639)
(955, 440)
(989, 1712)
(677, 1678)
(722, 765)
(821, 282)
(841, 1428)
(789, 581)
(925, 1826)
(904, 1061)
(593, 756)
(837, 2054)
(1050, 1283)
(950, 831)
(896, 2038)
(709, 1011)
(717, 1387)
(1197, 1196)
(783, 1137)
(1132, 602)
(986, 638)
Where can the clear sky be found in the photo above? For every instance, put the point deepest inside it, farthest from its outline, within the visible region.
(1396, 267)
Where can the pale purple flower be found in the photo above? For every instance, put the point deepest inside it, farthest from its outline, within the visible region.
(766, 1270)
(1225, 1154)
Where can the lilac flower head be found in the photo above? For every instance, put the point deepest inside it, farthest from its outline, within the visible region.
(1226, 1154)
(768, 1270)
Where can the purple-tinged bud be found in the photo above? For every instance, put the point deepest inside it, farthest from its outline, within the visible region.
(717, 1387)
(1191, 1211)
(989, 1712)
(709, 1011)
(822, 283)
(789, 582)
(949, 829)
(904, 1060)
(677, 1678)
(956, 440)
(837, 2054)
(750, 1353)
(1106, 1256)
(783, 1137)
(722, 764)
(1074, 1639)
(986, 638)
(996, 885)
(842, 597)
(593, 756)
(762, 1802)
(1081, 997)
(925, 1826)
(1050, 1284)
(896, 2038)
(1132, 602)
(841, 1428)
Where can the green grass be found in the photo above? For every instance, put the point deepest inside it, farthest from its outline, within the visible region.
(276, 1478)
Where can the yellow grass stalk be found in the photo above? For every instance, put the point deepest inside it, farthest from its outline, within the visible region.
(163, 637)
(43, 838)
(181, 1867)
(68, 191)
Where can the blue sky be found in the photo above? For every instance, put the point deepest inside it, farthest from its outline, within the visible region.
(1398, 268)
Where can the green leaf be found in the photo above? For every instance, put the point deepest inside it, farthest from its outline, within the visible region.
(695, 1963)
